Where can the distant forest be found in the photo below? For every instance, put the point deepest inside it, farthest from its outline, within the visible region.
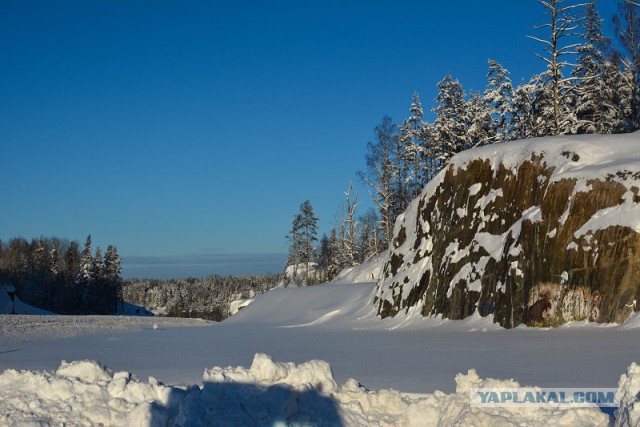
(55, 275)
(588, 83)
(208, 298)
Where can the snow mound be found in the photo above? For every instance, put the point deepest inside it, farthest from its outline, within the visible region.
(267, 393)
(368, 271)
(237, 305)
(11, 304)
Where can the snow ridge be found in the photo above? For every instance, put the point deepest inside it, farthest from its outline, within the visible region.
(267, 393)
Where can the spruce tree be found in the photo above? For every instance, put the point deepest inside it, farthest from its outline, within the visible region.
(451, 124)
(414, 136)
(597, 110)
(627, 26)
(499, 96)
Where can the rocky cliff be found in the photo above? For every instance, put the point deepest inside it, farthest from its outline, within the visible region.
(540, 232)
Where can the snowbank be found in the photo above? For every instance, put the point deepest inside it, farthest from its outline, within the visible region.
(267, 393)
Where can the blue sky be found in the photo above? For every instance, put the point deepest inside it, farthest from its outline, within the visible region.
(187, 133)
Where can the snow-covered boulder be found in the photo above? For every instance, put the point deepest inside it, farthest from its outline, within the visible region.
(301, 274)
(539, 231)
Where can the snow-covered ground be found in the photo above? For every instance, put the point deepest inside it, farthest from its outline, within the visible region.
(15, 329)
(332, 322)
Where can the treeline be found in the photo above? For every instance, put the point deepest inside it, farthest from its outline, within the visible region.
(588, 85)
(354, 239)
(208, 298)
(55, 275)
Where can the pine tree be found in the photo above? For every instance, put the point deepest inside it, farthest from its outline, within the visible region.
(482, 127)
(597, 110)
(112, 271)
(627, 26)
(85, 275)
(523, 120)
(413, 137)
(112, 264)
(499, 95)
(451, 124)
(302, 238)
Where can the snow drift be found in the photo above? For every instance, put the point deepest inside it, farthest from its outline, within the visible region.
(267, 393)
(540, 231)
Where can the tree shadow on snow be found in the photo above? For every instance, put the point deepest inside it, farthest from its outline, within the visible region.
(237, 404)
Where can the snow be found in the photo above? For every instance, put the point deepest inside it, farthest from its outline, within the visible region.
(10, 305)
(16, 329)
(267, 393)
(344, 330)
(368, 271)
(317, 339)
(239, 304)
(578, 158)
(304, 345)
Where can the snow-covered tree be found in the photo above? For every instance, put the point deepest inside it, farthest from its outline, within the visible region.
(112, 264)
(368, 235)
(482, 126)
(380, 176)
(560, 28)
(330, 255)
(85, 276)
(451, 124)
(627, 26)
(414, 138)
(97, 266)
(499, 95)
(522, 122)
(597, 109)
(349, 227)
(302, 238)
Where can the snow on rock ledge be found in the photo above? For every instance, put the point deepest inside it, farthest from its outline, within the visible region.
(540, 231)
(267, 393)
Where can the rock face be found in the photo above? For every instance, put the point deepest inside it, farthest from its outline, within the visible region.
(540, 232)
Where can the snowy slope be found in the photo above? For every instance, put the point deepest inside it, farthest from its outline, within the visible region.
(15, 306)
(368, 271)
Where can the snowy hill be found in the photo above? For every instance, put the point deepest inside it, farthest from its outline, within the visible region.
(540, 231)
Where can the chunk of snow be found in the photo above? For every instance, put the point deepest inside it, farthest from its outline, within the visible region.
(269, 393)
(475, 189)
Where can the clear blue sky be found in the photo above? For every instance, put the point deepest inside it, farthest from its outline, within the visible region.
(187, 133)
